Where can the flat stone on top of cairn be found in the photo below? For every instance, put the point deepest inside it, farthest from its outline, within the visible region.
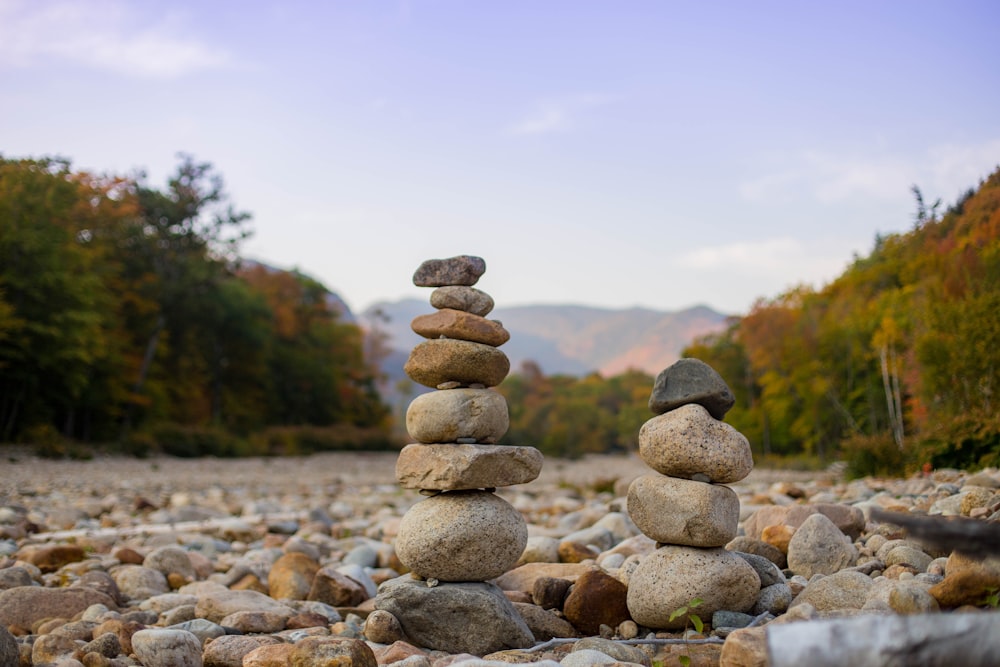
(463, 533)
(462, 270)
(691, 381)
(685, 508)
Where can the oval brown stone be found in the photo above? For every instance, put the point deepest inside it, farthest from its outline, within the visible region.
(435, 362)
(449, 323)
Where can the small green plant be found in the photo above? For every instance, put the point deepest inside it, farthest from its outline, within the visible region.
(991, 598)
(693, 619)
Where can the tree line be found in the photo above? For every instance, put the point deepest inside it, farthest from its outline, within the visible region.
(895, 364)
(126, 315)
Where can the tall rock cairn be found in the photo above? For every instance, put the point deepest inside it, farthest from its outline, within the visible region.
(463, 532)
(685, 505)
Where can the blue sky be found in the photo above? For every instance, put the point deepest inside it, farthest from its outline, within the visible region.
(618, 154)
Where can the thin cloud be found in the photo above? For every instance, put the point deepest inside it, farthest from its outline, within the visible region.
(943, 170)
(774, 259)
(109, 36)
(557, 115)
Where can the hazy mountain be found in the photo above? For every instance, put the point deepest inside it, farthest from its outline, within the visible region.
(571, 340)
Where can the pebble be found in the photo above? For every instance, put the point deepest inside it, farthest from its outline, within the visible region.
(688, 441)
(460, 297)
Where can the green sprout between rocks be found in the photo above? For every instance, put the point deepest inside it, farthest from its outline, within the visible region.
(693, 619)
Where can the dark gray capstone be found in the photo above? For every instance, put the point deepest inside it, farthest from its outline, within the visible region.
(462, 617)
(460, 270)
(9, 654)
(691, 381)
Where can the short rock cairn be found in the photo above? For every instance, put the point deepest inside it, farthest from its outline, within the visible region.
(463, 534)
(685, 506)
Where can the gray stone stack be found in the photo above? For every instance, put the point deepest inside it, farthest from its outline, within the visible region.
(463, 534)
(685, 505)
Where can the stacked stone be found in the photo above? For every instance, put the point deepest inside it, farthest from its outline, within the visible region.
(463, 534)
(685, 505)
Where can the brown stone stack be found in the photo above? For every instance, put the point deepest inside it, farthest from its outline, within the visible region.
(463, 534)
(685, 505)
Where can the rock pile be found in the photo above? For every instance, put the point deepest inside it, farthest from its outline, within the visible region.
(462, 535)
(685, 506)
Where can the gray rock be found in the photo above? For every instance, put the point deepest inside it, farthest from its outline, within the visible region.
(672, 576)
(681, 511)
(691, 381)
(461, 536)
(9, 653)
(544, 625)
(620, 652)
(51, 648)
(588, 657)
(767, 571)
(774, 599)
(540, 549)
(460, 297)
(687, 441)
(138, 582)
(216, 604)
(907, 555)
(12, 577)
(161, 647)
(462, 467)
(471, 618)
(730, 619)
(459, 270)
(170, 560)
(818, 547)
(447, 415)
(201, 628)
(436, 362)
(596, 536)
(838, 591)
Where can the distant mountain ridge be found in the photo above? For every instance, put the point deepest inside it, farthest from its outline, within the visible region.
(568, 339)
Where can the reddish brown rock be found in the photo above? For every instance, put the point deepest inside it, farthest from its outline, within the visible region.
(52, 557)
(596, 599)
(23, 606)
(448, 323)
(436, 362)
(291, 576)
(336, 589)
(334, 651)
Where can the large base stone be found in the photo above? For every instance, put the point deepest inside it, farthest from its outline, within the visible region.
(457, 467)
(446, 416)
(670, 577)
(681, 511)
(461, 536)
(474, 618)
(687, 441)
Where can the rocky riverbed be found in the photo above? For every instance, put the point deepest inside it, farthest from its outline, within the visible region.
(273, 562)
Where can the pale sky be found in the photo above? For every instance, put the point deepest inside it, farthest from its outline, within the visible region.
(658, 154)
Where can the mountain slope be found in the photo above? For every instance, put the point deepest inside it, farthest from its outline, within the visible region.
(572, 340)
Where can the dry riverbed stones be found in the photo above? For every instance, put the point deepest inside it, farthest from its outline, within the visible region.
(463, 535)
(684, 506)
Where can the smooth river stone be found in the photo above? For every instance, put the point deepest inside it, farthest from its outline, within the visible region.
(458, 467)
(670, 577)
(691, 381)
(450, 414)
(460, 270)
(687, 441)
(681, 511)
(435, 362)
(461, 536)
(460, 297)
(448, 323)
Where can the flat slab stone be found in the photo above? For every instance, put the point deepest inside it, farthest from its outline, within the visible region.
(672, 576)
(436, 362)
(474, 618)
(461, 536)
(460, 270)
(447, 415)
(460, 297)
(681, 511)
(688, 441)
(691, 381)
(455, 467)
(450, 323)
